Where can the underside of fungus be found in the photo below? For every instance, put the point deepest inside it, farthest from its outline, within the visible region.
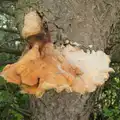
(43, 67)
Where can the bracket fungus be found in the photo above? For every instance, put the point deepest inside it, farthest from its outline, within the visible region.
(43, 67)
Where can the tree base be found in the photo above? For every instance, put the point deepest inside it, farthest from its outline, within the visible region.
(62, 106)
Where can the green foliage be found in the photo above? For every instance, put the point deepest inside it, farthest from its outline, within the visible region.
(108, 107)
(111, 96)
(13, 105)
(111, 113)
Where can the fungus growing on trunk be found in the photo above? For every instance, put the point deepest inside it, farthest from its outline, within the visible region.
(43, 67)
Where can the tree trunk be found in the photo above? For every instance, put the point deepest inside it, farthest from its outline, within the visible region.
(87, 22)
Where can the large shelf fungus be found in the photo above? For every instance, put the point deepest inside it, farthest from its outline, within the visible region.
(94, 67)
(43, 67)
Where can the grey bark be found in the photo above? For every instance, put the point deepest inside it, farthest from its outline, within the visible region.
(87, 22)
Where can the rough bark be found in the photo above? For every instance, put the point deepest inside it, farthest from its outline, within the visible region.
(87, 22)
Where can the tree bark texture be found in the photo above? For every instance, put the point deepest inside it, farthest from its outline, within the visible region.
(87, 22)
